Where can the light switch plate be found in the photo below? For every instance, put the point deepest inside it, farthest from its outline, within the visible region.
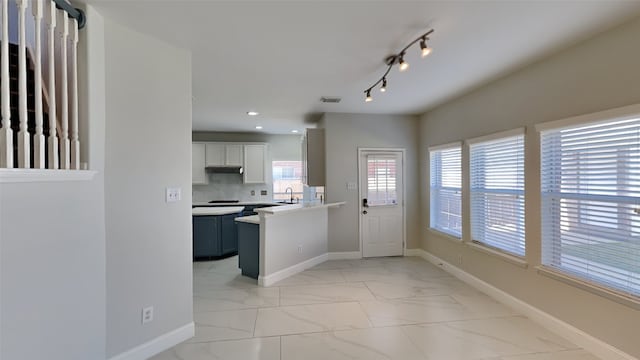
(351, 185)
(173, 194)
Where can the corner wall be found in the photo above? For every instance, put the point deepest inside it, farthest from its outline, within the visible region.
(148, 148)
(599, 74)
(344, 134)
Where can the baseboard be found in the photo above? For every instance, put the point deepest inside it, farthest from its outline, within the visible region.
(414, 252)
(158, 345)
(291, 270)
(345, 255)
(570, 332)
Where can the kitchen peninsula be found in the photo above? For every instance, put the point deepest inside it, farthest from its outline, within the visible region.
(292, 238)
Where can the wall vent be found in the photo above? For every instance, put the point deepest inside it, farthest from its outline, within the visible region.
(330, 99)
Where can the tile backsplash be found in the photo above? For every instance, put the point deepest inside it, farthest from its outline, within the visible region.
(230, 187)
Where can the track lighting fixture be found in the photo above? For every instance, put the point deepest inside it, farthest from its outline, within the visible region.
(398, 58)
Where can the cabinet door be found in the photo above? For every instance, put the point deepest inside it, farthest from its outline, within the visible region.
(255, 156)
(198, 174)
(206, 235)
(233, 155)
(215, 154)
(229, 234)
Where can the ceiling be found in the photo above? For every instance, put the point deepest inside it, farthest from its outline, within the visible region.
(280, 57)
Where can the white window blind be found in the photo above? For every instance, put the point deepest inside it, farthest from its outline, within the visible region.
(381, 180)
(497, 193)
(446, 190)
(591, 202)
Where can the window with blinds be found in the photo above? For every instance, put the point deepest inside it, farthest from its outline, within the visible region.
(497, 192)
(381, 180)
(591, 202)
(445, 183)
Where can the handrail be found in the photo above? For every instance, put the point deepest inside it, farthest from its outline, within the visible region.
(75, 13)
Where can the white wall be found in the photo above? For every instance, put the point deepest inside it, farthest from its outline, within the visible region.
(148, 148)
(599, 74)
(52, 271)
(344, 134)
(52, 242)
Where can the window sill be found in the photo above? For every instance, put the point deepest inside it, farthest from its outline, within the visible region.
(619, 297)
(504, 256)
(44, 175)
(443, 234)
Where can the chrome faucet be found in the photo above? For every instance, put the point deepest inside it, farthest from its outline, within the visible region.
(285, 192)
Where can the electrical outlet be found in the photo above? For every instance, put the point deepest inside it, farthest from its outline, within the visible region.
(173, 194)
(253, 193)
(263, 192)
(299, 249)
(147, 314)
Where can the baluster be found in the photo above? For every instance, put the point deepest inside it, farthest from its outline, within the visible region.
(38, 138)
(6, 135)
(64, 92)
(23, 133)
(75, 143)
(53, 138)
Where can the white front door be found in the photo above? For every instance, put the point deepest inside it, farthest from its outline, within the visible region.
(381, 202)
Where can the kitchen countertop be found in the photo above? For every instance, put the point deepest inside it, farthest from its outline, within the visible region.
(252, 219)
(236, 203)
(276, 210)
(203, 211)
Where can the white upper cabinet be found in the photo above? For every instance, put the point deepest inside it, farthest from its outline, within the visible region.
(198, 174)
(255, 164)
(233, 154)
(251, 157)
(215, 154)
(222, 154)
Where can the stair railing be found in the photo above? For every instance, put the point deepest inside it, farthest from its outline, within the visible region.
(61, 150)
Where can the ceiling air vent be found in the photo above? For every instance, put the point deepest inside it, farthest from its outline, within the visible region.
(329, 99)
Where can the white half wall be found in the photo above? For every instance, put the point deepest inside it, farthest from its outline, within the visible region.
(148, 148)
(52, 271)
(52, 241)
(291, 242)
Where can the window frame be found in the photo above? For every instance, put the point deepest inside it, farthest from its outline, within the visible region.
(276, 195)
(471, 143)
(623, 224)
(433, 203)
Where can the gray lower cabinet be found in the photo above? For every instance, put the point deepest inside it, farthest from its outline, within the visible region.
(214, 236)
(249, 249)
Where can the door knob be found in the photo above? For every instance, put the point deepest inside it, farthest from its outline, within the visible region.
(364, 212)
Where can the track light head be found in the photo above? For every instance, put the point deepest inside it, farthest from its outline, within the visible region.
(383, 88)
(425, 49)
(403, 64)
(368, 98)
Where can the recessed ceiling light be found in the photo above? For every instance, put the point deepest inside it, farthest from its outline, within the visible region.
(259, 127)
(294, 131)
(252, 113)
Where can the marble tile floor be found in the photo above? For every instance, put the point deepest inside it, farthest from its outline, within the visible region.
(383, 308)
